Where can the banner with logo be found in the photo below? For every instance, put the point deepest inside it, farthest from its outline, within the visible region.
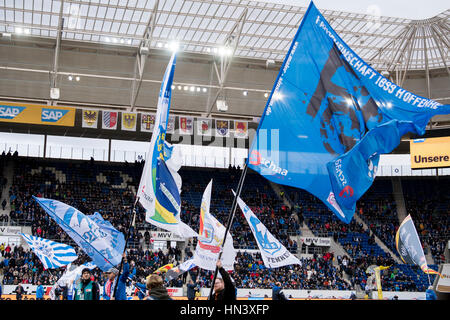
(160, 185)
(110, 119)
(240, 129)
(204, 127)
(329, 117)
(222, 128)
(89, 118)
(37, 114)
(129, 121)
(97, 237)
(274, 254)
(430, 153)
(316, 241)
(186, 125)
(147, 122)
(210, 239)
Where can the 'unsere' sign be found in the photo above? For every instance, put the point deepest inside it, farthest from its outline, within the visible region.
(430, 153)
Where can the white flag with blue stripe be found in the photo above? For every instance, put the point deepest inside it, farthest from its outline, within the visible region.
(52, 254)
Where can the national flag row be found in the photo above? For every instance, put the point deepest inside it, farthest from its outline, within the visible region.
(146, 122)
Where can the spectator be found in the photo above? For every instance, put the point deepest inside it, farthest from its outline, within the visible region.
(276, 292)
(156, 289)
(40, 291)
(224, 289)
(86, 289)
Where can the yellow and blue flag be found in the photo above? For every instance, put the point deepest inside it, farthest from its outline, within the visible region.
(329, 117)
(160, 185)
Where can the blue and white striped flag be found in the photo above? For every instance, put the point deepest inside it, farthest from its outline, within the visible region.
(52, 254)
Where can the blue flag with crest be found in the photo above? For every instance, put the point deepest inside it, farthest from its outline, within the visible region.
(329, 117)
(97, 237)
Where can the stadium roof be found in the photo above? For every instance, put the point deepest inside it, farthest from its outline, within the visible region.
(260, 30)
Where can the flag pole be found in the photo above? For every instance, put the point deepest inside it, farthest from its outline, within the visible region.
(113, 294)
(230, 221)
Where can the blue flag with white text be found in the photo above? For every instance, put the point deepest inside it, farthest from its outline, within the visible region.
(97, 237)
(329, 117)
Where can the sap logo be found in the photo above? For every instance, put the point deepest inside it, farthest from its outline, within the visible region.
(9, 112)
(256, 159)
(52, 115)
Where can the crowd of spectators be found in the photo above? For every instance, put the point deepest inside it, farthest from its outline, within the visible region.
(113, 198)
(313, 273)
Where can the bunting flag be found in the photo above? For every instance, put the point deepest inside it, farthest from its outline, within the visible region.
(409, 247)
(129, 121)
(171, 125)
(90, 118)
(52, 254)
(274, 254)
(329, 117)
(109, 120)
(222, 128)
(147, 122)
(210, 239)
(160, 185)
(240, 129)
(98, 238)
(204, 127)
(186, 125)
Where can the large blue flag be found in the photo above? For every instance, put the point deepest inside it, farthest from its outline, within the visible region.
(329, 117)
(97, 237)
(52, 254)
(160, 185)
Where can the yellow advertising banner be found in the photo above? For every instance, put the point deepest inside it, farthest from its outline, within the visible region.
(430, 153)
(37, 114)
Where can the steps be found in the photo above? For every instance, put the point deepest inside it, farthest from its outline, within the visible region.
(378, 241)
(8, 172)
(399, 199)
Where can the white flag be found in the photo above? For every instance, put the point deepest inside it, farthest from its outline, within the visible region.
(210, 239)
(274, 254)
(160, 185)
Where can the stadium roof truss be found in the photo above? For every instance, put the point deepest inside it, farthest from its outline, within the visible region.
(201, 26)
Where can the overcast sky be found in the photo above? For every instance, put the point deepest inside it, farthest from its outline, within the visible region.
(408, 9)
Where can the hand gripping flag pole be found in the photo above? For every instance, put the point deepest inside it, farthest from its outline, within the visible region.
(132, 223)
(229, 223)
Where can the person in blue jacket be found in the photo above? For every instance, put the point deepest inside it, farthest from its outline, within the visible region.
(276, 292)
(142, 289)
(109, 285)
(430, 294)
(40, 291)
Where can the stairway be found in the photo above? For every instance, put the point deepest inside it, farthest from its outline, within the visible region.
(378, 241)
(399, 199)
(8, 172)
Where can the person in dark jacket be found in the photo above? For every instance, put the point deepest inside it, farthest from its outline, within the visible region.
(19, 292)
(276, 292)
(87, 289)
(191, 289)
(224, 289)
(156, 289)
